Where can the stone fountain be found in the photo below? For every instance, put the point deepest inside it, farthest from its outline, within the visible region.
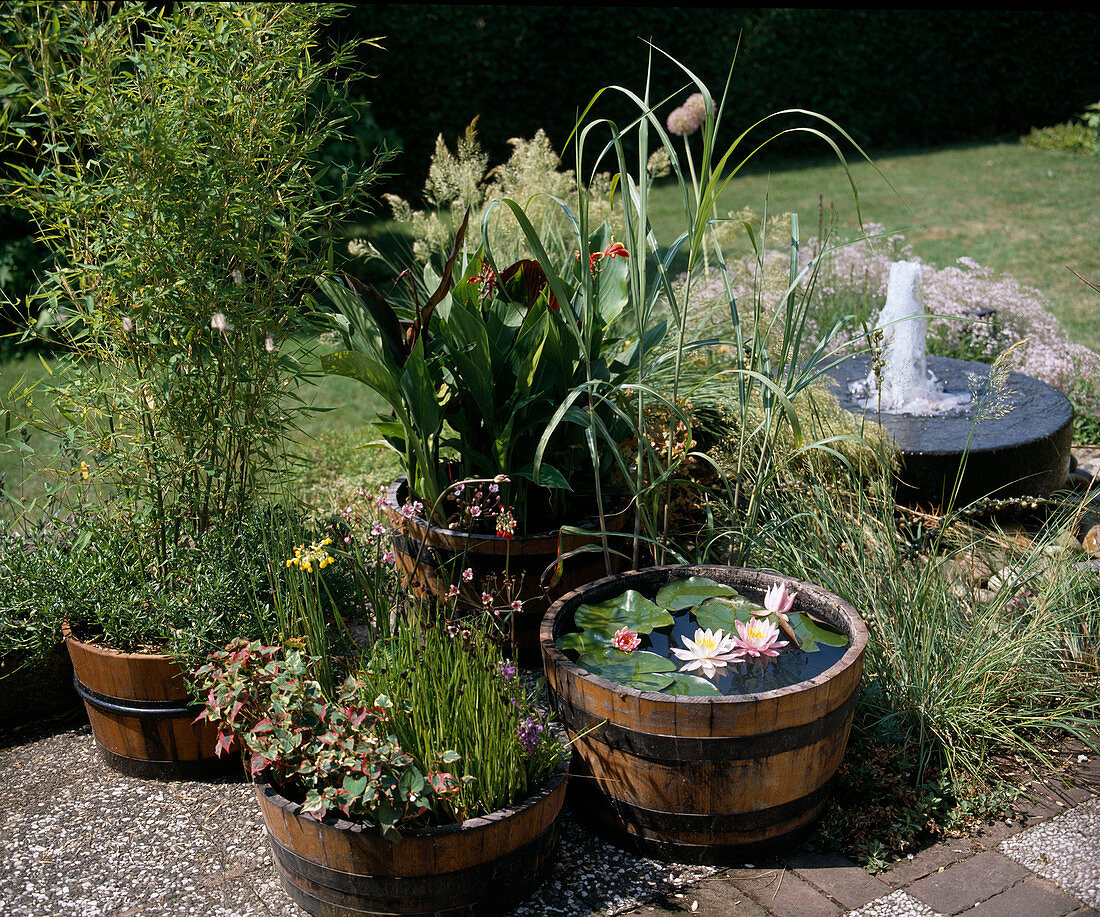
(936, 408)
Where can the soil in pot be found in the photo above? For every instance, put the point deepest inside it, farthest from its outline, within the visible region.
(485, 865)
(142, 715)
(704, 779)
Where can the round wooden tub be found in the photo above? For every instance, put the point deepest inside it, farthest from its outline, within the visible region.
(701, 779)
(142, 715)
(484, 865)
(430, 558)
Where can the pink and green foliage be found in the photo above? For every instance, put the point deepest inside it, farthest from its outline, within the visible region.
(333, 754)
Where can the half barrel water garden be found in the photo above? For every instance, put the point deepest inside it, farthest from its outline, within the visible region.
(655, 459)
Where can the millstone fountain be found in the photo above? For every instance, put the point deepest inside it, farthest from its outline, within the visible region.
(936, 408)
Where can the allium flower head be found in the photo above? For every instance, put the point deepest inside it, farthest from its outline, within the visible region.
(689, 117)
(760, 637)
(708, 652)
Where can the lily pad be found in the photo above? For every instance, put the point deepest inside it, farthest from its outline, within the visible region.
(721, 613)
(584, 643)
(651, 681)
(687, 593)
(615, 665)
(631, 610)
(685, 684)
(810, 633)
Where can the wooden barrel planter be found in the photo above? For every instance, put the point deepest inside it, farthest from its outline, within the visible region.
(427, 556)
(484, 865)
(142, 715)
(703, 779)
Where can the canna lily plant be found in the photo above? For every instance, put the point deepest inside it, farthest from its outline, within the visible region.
(480, 373)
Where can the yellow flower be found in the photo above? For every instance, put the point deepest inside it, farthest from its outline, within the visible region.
(84, 470)
(304, 560)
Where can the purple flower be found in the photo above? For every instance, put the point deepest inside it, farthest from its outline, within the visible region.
(508, 669)
(529, 735)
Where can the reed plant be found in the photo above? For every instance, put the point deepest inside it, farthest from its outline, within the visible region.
(452, 690)
(766, 362)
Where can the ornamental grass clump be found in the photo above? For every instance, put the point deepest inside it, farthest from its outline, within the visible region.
(452, 689)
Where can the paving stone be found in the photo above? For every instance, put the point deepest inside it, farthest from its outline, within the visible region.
(895, 904)
(838, 877)
(789, 896)
(1064, 850)
(940, 856)
(1034, 897)
(960, 886)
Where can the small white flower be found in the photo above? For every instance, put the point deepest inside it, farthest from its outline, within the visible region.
(269, 344)
(127, 325)
(219, 322)
(238, 277)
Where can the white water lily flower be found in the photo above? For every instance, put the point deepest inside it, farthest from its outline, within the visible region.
(708, 652)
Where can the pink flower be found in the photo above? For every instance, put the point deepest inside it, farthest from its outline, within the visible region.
(452, 593)
(689, 117)
(517, 605)
(378, 529)
(486, 599)
(760, 637)
(475, 510)
(467, 574)
(387, 558)
(415, 508)
(778, 601)
(626, 640)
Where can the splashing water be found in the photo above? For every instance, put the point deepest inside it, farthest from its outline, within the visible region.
(907, 385)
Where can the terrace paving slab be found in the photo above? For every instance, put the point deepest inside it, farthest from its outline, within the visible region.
(80, 840)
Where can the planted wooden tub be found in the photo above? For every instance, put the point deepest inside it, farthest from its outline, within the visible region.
(485, 865)
(428, 555)
(703, 779)
(141, 714)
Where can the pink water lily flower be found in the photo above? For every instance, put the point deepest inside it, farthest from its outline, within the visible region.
(760, 637)
(708, 652)
(626, 640)
(778, 601)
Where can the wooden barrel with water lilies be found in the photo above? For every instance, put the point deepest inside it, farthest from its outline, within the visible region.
(481, 866)
(533, 569)
(142, 714)
(703, 779)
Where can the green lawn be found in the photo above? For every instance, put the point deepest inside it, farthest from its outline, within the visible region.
(1029, 213)
(1033, 214)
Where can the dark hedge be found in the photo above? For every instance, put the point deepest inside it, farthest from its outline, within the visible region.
(893, 79)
